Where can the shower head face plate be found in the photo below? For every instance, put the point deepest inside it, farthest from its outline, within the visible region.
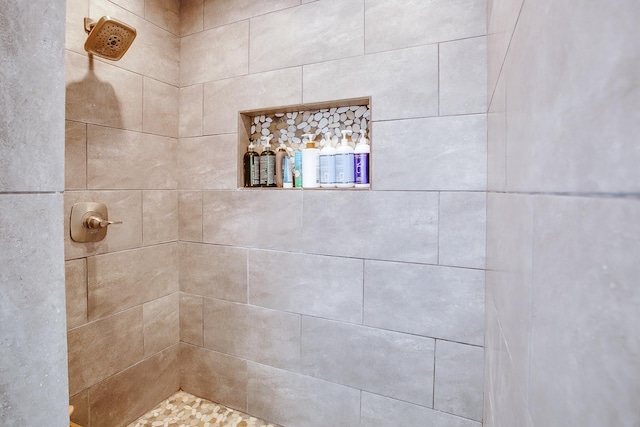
(109, 38)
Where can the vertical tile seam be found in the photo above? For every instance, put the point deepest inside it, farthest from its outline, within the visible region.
(86, 156)
(438, 61)
(530, 290)
(438, 234)
(433, 384)
(363, 290)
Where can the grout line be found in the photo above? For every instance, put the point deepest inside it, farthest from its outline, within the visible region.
(433, 390)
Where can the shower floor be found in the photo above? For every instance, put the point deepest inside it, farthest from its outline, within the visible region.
(186, 410)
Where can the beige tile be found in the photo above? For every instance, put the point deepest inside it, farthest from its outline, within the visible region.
(89, 344)
(265, 336)
(76, 291)
(208, 162)
(191, 320)
(214, 271)
(160, 108)
(191, 110)
(223, 99)
(150, 381)
(80, 403)
(463, 76)
(134, 6)
(159, 217)
(190, 216)
(121, 280)
(337, 32)
(230, 218)
(221, 12)
(154, 53)
(161, 324)
(402, 84)
(164, 13)
(118, 159)
(75, 35)
(105, 95)
(214, 54)
(199, 365)
(394, 25)
(125, 206)
(453, 154)
(75, 156)
(191, 16)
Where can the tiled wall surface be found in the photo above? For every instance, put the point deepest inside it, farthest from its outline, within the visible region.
(122, 150)
(562, 219)
(33, 377)
(312, 308)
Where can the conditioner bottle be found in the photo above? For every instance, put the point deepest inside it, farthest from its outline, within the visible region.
(361, 161)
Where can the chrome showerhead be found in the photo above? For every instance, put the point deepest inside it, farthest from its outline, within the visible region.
(108, 38)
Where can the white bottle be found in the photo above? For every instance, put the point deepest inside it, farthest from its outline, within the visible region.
(327, 163)
(310, 164)
(344, 163)
(361, 161)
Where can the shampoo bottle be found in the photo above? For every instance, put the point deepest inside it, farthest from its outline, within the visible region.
(251, 167)
(287, 169)
(327, 163)
(344, 163)
(361, 161)
(267, 164)
(310, 163)
(281, 153)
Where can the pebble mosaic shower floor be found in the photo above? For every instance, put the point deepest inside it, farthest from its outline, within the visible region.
(186, 410)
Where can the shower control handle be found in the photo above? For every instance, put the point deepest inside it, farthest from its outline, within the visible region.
(96, 222)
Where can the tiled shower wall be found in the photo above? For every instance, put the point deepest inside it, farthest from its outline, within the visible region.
(562, 219)
(336, 308)
(121, 149)
(33, 380)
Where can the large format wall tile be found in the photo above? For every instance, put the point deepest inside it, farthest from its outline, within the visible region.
(32, 319)
(191, 110)
(223, 99)
(154, 53)
(463, 76)
(402, 84)
(264, 336)
(214, 271)
(191, 319)
(198, 366)
(315, 32)
(433, 301)
(370, 359)
(584, 311)
(119, 159)
(421, 22)
(190, 216)
(496, 139)
(297, 400)
(379, 410)
(160, 108)
(102, 93)
(164, 13)
(125, 279)
(75, 156)
(575, 132)
(328, 287)
(91, 355)
(208, 162)
(462, 233)
(161, 323)
(458, 379)
(214, 54)
(258, 219)
(191, 16)
(159, 216)
(150, 381)
(442, 153)
(125, 206)
(399, 226)
(221, 12)
(76, 292)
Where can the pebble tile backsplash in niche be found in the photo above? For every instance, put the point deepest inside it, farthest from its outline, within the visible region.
(288, 128)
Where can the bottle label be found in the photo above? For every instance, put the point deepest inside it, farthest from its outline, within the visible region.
(268, 170)
(255, 171)
(344, 168)
(361, 162)
(327, 168)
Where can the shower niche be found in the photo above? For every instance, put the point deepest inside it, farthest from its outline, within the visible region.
(286, 125)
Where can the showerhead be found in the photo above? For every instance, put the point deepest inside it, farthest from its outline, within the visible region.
(108, 38)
